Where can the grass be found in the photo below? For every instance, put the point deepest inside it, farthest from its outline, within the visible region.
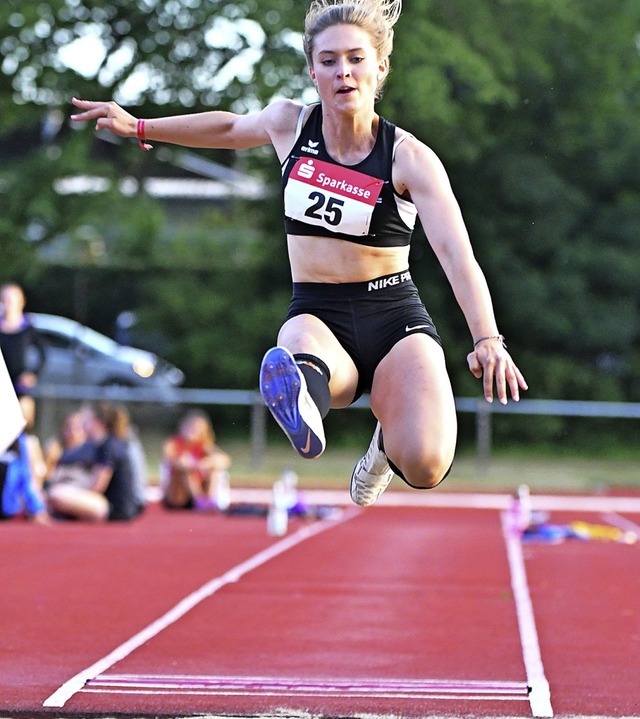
(543, 471)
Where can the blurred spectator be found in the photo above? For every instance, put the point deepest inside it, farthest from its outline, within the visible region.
(19, 493)
(21, 346)
(35, 454)
(137, 457)
(192, 464)
(124, 322)
(71, 456)
(112, 495)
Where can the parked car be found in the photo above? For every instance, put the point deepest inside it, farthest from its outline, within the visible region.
(78, 355)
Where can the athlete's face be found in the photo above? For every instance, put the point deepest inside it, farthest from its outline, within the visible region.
(346, 69)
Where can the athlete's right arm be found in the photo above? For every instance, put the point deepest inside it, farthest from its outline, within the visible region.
(213, 129)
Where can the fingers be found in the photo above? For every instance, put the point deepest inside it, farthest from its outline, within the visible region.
(108, 116)
(93, 109)
(474, 365)
(515, 381)
(82, 103)
(499, 372)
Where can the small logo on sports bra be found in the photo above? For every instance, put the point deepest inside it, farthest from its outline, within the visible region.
(311, 147)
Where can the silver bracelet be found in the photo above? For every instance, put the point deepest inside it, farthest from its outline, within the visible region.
(500, 338)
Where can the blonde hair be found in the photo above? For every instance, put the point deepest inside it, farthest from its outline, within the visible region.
(376, 17)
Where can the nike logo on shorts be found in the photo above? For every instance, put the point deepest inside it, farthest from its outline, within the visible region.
(416, 327)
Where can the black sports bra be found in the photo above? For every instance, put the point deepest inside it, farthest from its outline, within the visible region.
(356, 203)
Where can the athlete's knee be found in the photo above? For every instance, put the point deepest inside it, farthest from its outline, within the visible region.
(426, 470)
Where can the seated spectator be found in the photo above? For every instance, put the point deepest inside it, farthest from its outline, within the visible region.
(33, 447)
(112, 494)
(19, 492)
(71, 456)
(193, 465)
(136, 456)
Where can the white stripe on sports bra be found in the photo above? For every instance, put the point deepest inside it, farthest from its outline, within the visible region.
(301, 120)
(299, 124)
(400, 137)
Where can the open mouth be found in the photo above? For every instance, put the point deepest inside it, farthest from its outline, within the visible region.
(346, 90)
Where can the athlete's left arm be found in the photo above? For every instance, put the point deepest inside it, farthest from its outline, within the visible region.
(418, 171)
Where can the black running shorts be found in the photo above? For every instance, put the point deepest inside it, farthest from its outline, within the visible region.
(367, 318)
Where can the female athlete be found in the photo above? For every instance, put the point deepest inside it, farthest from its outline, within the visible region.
(353, 184)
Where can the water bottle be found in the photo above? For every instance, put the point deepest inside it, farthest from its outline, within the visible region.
(223, 491)
(520, 510)
(277, 515)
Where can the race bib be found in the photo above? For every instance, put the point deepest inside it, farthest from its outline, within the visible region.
(331, 196)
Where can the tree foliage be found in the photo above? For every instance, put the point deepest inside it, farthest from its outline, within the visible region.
(533, 105)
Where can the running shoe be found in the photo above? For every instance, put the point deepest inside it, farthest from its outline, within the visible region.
(284, 391)
(372, 474)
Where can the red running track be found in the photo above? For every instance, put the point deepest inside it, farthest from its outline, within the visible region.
(408, 610)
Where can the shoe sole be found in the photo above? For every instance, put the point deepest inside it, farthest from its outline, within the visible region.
(282, 385)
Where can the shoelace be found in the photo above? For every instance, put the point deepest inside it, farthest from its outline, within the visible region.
(376, 482)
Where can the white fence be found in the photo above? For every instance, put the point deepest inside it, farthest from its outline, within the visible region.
(49, 397)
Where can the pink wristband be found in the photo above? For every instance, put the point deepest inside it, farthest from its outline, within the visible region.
(144, 145)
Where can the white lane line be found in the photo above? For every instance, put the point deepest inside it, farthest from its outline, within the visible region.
(626, 525)
(75, 684)
(540, 693)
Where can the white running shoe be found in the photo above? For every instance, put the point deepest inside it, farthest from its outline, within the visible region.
(284, 391)
(372, 474)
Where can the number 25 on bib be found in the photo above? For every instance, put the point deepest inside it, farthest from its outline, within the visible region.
(330, 196)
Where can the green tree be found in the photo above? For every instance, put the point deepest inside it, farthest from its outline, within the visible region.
(532, 105)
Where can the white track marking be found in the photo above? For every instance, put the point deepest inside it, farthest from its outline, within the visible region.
(75, 684)
(454, 500)
(200, 685)
(540, 695)
(626, 525)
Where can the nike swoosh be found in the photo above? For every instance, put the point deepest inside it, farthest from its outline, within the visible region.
(307, 447)
(417, 327)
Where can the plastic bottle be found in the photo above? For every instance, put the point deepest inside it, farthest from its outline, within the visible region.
(223, 491)
(277, 516)
(520, 510)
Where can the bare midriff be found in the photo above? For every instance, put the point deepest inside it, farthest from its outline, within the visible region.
(330, 260)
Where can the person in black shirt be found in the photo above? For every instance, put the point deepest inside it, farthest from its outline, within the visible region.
(22, 348)
(112, 495)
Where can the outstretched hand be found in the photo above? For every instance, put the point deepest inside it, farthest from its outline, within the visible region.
(108, 116)
(491, 362)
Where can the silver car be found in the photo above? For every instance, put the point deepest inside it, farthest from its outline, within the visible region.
(78, 355)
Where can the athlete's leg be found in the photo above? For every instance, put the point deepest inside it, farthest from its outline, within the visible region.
(306, 334)
(413, 401)
(306, 349)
